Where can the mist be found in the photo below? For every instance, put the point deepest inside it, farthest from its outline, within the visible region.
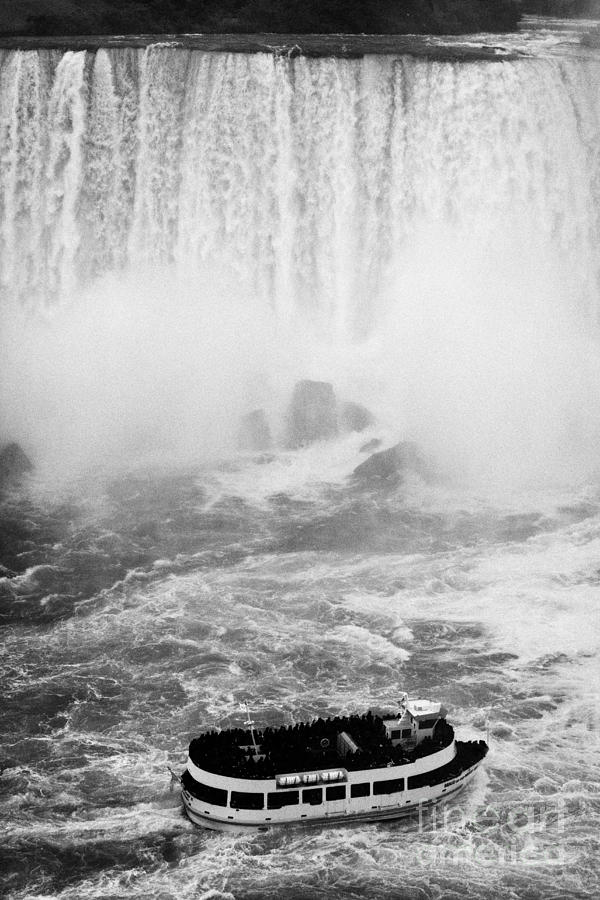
(489, 361)
(462, 357)
(209, 229)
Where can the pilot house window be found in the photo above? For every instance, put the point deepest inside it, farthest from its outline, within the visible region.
(314, 796)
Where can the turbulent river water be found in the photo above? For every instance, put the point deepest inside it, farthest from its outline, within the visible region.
(184, 235)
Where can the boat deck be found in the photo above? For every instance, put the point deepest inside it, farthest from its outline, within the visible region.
(354, 742)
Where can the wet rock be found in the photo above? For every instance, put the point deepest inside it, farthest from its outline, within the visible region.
(390, 466)
(265, 459)
(14, 463)
(370, 446)
(312, 414)
(254, 435)
(355, 417)
(502, 730)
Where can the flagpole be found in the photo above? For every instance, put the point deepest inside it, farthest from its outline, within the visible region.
(251, 724)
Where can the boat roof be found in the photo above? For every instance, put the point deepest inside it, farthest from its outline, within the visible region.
(425, 709)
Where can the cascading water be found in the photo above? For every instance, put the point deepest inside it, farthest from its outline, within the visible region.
(411, 219)
(308, 178)
(182, 236)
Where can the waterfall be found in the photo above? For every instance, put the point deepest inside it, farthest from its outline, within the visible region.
(384, 196)
(306, 177)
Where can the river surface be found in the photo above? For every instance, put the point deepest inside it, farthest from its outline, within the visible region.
(184, 235)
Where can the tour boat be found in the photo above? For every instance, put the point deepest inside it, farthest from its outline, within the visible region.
(359, 768)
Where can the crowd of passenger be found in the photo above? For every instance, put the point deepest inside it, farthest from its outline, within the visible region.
(467, 754)
(309, 746)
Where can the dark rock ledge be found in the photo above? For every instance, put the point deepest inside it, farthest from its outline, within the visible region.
(346, 46)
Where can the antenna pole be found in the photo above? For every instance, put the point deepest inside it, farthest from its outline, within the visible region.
(251, 724)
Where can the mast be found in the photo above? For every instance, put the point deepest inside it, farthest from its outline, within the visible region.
(250, 723)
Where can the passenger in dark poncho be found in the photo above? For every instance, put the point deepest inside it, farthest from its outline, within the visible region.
(308, 746)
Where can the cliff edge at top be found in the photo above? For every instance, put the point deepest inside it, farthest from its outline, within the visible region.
(97, 17)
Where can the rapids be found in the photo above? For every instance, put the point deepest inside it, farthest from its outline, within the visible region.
(182, 236)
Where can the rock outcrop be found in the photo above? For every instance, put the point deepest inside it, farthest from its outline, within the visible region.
(312, 414)
(388, 467)
(371, 445)
(254, 435)
(355, 417)
(14, 463)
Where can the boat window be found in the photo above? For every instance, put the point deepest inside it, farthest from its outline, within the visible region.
(406, 732)
(360, 790)
(204, 792)
(391, 786)
(338, 792)
(426, 779)
(427, 723)
(279, 799)
(395, 734)
(247, 800)
(314, 796)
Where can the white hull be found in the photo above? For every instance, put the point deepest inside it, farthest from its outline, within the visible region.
(353, 811)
